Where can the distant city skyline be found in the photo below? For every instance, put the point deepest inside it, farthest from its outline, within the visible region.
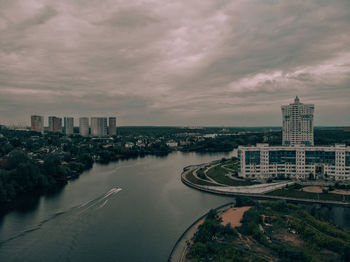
(98, 127)
(183, 63)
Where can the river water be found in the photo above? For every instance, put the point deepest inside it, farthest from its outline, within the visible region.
(131, 210)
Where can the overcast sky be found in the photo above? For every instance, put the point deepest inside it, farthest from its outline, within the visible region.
(165, 62)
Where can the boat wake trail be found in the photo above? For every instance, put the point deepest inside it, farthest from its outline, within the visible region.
(113, 191)
(100, 201)
(65, 219)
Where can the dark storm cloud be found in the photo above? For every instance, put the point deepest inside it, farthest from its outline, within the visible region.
(174, 62)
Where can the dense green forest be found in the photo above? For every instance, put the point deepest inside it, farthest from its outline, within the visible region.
(271, 231)
(327, 136)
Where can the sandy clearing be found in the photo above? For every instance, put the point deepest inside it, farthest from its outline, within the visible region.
(318, 189)
(233, 215)
(340, 192)
(314, 189)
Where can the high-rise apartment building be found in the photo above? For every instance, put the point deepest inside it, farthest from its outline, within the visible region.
(84, 126)
(37, 123)
(297, 158)
(298, 127)
(55, 124)
(298, 162)
(68, 125)
(99, 126)
(112, 126)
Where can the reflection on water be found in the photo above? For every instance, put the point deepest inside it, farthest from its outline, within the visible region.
(132, 210)
(66, 219)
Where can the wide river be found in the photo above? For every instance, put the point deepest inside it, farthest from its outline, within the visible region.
(92, 220)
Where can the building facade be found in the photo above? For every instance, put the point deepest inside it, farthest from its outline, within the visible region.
(112, 126)
(99, 126)
(297, 162)
(68, 125)
(298, 127)
(55, 124)
(37, 123)
(84, 126)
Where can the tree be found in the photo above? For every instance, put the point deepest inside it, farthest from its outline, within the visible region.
(15, 158)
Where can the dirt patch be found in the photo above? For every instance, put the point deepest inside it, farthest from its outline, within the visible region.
(233, 216)
(292, 239)
(314, 189)
(340, 192)
(285, 236)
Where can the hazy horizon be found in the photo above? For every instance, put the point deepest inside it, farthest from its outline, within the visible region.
(76, 125)
(166, 63)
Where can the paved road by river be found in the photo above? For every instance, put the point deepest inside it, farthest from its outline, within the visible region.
(180, 249)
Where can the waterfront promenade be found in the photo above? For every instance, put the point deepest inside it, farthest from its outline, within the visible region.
(257, 191)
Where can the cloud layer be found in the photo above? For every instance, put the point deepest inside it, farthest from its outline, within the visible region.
(161, 62)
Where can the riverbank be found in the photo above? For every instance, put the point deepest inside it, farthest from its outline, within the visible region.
(24, 177)
(269, 231)
(229, 215)
(106, 233)
(180, 248)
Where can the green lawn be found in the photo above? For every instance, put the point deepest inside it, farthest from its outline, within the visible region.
(218, 174)
(231, 163)
(308, 195)
(190, 177)
(231, 166)
(200, 174)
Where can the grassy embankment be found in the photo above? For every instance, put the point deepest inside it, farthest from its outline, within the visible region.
(200, 173)
(271, 231)
(297, 192)
(221, 175)
(190, 177)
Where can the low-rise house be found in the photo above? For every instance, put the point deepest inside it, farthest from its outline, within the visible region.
(172, 144)
(129, 145)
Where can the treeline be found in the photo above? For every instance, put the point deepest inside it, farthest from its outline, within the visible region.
(166, 131)
(114, 153)
(22, 175)
(224, 143)
(331, 136)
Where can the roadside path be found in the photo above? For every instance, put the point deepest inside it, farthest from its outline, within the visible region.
(257, 191)
(178, 254)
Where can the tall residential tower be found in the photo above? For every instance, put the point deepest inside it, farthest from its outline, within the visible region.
(298, 127)
(112, 126)
(69, 125)
(99, 126)
(37, 123)
(55, 124)
(84, 126)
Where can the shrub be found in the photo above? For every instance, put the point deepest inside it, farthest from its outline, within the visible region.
(244, 201)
